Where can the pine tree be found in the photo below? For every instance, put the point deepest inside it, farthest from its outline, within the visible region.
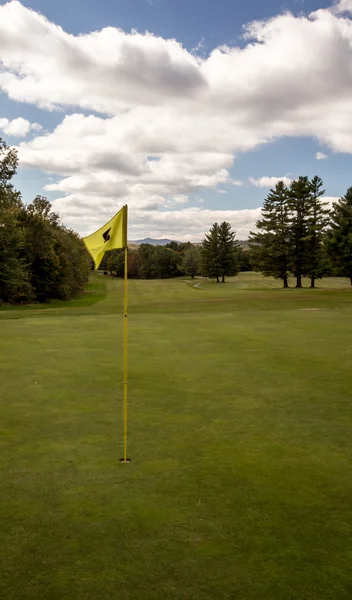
(211, 253)
(301, 213)
(339, 237)
(219, 252)
(227, 251)
(317, 223)
(269, 247)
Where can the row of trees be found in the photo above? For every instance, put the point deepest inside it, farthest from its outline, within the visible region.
(299, 234)
(218, 256)
(40, 259)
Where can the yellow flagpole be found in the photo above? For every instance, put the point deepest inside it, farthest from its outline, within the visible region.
(125, 373)
(125, 335)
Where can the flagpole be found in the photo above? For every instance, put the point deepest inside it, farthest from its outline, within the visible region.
(125, 372)
(111, 236)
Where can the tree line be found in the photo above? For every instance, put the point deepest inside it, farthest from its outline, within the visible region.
(40, 259)
(299, 234)
(218, 256)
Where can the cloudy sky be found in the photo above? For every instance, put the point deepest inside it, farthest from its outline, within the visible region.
(188, 111)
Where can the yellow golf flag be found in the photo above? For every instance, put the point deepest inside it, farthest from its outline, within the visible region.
(110, 236)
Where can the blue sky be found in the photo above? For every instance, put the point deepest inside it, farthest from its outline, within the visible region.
(200, 26)
(187, 21)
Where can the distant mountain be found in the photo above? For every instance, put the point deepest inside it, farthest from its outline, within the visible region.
(153, 242)
(164, 241)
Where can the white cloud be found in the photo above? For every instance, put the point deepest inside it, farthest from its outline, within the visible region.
(171, 122)
(36, 127)
(269, 182)
(237, 182)
(331, 200)
(84, 150)
(292, 78)
(321, 156)
(179, 199)
(104, 70)
(182, 224)
(343, 6)
(18, 127)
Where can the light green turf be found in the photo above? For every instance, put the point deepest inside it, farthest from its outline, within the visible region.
(240, 437)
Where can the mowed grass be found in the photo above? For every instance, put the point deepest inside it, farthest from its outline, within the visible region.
(240, 419)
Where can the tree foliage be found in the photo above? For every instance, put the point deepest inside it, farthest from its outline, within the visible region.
(270, 245)
(211, 254)
(147, 262)
(244, 261)
(191, 261)
(339, 237)
(318, 220)
(8, 163)
(300, 213)
(115, 262)
(219, 256)
(14, 276)
(291, 232)
(40, 259)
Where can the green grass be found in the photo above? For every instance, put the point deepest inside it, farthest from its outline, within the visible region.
(95, 292)
(239, 433)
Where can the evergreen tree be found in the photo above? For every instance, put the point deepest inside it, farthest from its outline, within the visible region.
(211, 253)
(227, 251)
(318, 220)
(219, 252)
(269, 247)
(339, 237)
(301, 214)
(191, 261)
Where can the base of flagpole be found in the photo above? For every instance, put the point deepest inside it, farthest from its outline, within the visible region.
(127, 460)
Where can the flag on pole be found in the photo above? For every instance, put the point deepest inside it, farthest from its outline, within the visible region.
(109, 237)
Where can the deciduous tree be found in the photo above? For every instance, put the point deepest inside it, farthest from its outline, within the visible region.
(191, 261)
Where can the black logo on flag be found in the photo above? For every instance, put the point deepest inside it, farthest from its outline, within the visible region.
(106, 235)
